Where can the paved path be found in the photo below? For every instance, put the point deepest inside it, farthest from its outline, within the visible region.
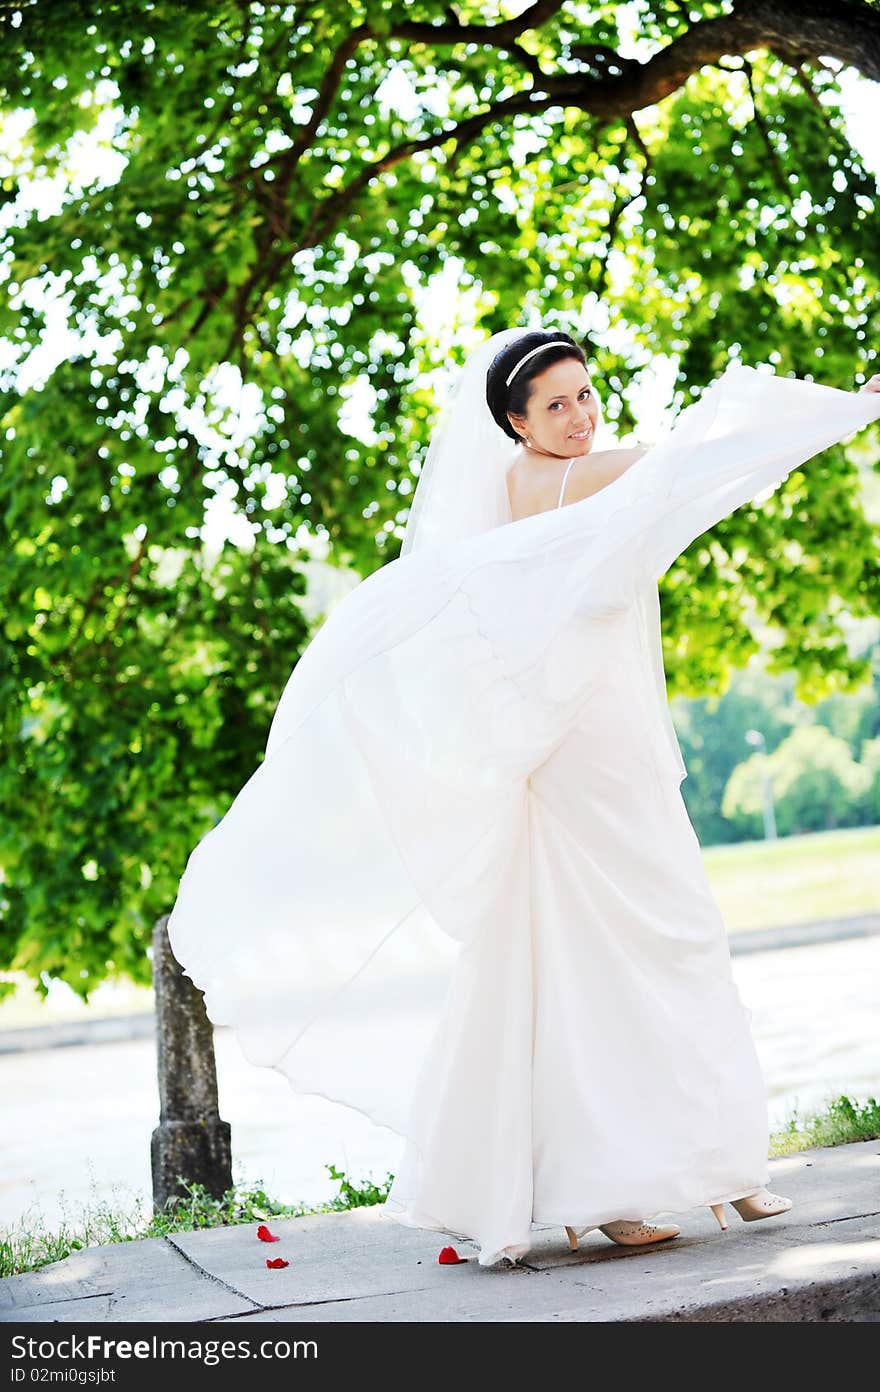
(818, 1262)
(813, 1014)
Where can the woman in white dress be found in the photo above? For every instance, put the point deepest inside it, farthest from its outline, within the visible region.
(462, 893)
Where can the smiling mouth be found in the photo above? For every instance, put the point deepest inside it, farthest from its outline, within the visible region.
(582, 434)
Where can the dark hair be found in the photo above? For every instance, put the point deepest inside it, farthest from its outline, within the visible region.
(502, 398)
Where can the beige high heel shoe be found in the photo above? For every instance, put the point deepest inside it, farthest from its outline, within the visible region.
(760, 1205)
(627, 1233)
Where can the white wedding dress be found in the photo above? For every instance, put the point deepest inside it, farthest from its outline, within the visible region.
(462, 893)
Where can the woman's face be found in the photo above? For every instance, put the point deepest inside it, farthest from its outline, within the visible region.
(562, 411)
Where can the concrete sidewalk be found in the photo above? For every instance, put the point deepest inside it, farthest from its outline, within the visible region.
(819, 1262)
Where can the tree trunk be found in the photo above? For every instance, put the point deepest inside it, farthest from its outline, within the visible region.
(191, 1144)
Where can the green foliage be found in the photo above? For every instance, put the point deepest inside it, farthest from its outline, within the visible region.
(838, 1123)
(199, 1209)
(816, 785)
(358, 1195)
(713, 731)
(871, 763)
(217, 225)
(713, 734)
(31, 1244)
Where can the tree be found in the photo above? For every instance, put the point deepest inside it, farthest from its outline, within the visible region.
(816, 785)
(713, 738)
(713, 734)
(195, 322)
(871, 763)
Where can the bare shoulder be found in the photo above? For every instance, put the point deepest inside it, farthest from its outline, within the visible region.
(599, 468)
(530, 493)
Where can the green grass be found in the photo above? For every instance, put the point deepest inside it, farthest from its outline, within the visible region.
(837, 1123)
(825, 874)
(32, 1244)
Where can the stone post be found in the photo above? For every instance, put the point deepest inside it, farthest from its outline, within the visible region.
(190, 1142)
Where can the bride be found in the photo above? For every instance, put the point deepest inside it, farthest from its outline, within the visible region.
(462, 893)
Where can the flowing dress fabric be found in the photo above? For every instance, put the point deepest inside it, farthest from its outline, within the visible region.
(462, 894)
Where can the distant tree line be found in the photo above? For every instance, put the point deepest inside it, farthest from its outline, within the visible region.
(822, 761)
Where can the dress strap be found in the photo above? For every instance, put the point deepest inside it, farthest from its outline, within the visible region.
(564, 481)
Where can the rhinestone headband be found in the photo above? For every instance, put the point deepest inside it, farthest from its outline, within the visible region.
(524, 359)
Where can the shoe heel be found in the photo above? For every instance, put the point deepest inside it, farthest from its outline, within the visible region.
(718, 1210)
(572, 1238)
(761, 1205)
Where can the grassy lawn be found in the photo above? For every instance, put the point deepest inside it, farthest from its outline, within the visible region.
(826, 874)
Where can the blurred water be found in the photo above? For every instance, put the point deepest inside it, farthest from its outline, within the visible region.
(815, 1017)
(77, 1121)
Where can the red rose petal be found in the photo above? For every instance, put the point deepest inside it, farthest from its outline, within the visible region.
(264, 1234)
(449, 1256)
(276, 1263)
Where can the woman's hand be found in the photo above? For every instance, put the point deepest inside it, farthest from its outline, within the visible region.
(872, 384)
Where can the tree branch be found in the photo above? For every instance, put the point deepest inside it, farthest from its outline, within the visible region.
(329, 212)
(798, 30)
(452, 31)
(530, 63)
(635, 136)
(772, 152)
(329, 88)
(835, 137)
(848, 30)
(617, 212)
